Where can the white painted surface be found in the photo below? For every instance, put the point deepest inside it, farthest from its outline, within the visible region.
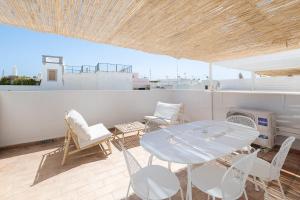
(98, 81)
(265, 83)
(197, 142)
(38, 115)
(32, 116)
(196, 104)
(19, 87)
(280, 60)
(27, 116)
(286, 107)
(45, 84)
(80, 81)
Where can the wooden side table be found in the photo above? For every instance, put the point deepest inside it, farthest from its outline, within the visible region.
(128, 128)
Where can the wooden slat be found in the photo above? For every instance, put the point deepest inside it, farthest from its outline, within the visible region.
(207, 30)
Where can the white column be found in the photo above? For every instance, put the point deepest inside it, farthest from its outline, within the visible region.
(210, 77)
(253, 76)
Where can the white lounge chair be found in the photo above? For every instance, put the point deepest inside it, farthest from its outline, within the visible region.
(84, 136)
(165, 114)
(219, 182)
(152, 182)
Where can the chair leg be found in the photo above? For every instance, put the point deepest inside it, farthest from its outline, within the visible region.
(181, 194)
(66, 150)
(169, 165)
(128, 190)
(265, 188)
(109, 146)
(102, 149)
(255, 184)
(281, 189)
(245, 194)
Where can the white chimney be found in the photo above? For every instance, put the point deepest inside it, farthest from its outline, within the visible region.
(14, 71)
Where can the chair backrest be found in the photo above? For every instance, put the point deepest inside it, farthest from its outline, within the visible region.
(168, 111)
(78, 124)
(132, 164)
(243, 120)
(234, 180)
(280, 157)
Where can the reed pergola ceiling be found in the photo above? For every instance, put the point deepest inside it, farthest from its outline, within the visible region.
(280, 72)
(207, 30)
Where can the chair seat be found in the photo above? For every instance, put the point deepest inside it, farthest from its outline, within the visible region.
(157, 120)
(261, 168)
(208, 179)
(96, 132)
(155, 181)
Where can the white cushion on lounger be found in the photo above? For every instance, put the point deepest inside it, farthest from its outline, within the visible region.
(78, 124)
(96, 132)
(157, 120)
(167, 110)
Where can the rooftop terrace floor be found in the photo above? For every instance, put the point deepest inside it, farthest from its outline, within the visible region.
(35, 172)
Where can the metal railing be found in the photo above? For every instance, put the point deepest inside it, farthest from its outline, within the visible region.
(100, 67)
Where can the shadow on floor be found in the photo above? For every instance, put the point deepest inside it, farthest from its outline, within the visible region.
(50, 164)
(131, 141)
(30, 148)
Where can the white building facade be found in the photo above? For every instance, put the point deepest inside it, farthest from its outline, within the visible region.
(103, 76)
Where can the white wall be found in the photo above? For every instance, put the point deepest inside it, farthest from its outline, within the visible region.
(286, 106)
(19, 87)
(52, 84)
(98, 81)
(197, 103)
(264, 83)
(27, 116)
(38, 115)
(32, 116)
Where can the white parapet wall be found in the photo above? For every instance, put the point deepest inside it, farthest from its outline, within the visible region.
(27, 116)
(263, 83)
(285, 105)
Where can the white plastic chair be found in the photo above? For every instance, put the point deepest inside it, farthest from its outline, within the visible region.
(219, 182)
(266, 171)
(165, 114)
(243, 120)
(152, 182)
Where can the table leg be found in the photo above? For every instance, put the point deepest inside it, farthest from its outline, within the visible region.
(123, 138)
(150, 160)
(189, 183)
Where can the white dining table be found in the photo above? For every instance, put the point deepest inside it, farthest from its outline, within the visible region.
(197, 142)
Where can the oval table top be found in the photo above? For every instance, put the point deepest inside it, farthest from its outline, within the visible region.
(197, 142)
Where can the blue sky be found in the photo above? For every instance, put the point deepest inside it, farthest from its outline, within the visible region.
(23, 48)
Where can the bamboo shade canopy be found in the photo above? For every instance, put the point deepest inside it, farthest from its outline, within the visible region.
(281, 72)
(207, 30)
